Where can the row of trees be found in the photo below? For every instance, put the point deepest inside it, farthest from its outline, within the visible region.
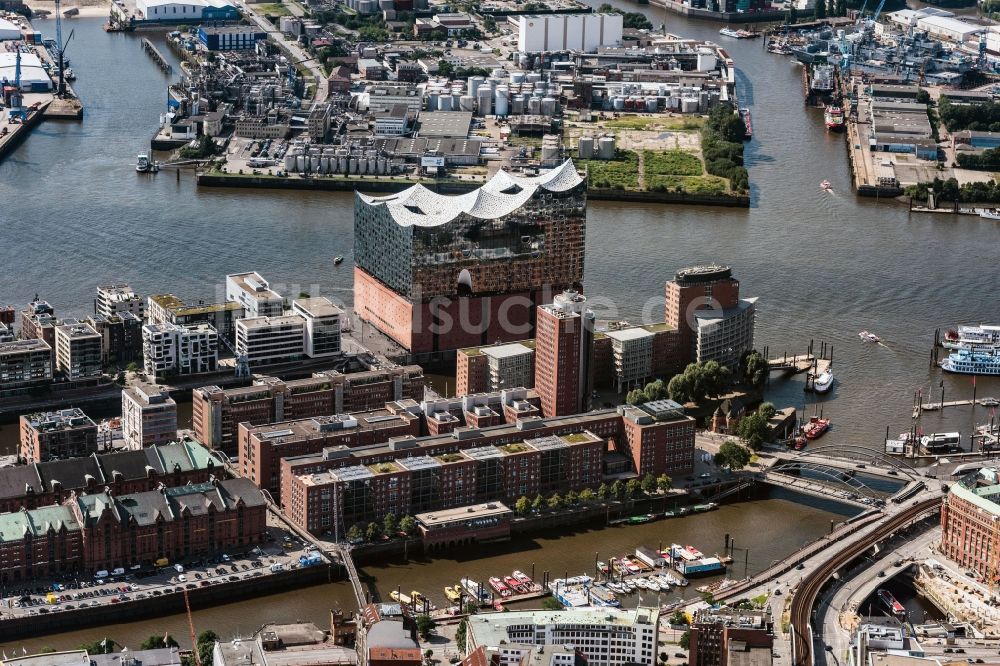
(979, 117)
(722, 146)
(753, 428)
(949, 190)
(390, 526)
(632, 489)
(652, 391)
(636, 20)
(699, 381)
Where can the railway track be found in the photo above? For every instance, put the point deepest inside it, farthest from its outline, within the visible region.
(809, 588)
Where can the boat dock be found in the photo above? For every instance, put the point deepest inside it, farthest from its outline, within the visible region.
(936, 406)
(157, 57)
(810, 363)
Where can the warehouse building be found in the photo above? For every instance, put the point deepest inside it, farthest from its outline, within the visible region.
(33, 75)
(168, 11)
(568, 32)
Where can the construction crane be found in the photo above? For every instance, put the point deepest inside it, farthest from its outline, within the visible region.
(60, 50)
(16, 104)
(194, 637)
(878, 11)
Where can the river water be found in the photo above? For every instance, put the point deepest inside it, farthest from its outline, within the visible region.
(825, 265)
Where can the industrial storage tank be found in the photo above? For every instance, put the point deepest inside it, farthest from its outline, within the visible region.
(484, 100)
(548, 106)
(517, 105)
(444, 103)
(314, 163)
(619, 103)
(689, 105)
(354, 164)
(342, 164)
(533, 76)
(371, 164)
(541, 85)
(300, 163)
(474, 83)
(534, 106)
(517, 77)
(606, 148)
(432, 101)
(652, 104)
(500, 101)
(550, 151)
(467, 103)
(289, 162)
(586, 147)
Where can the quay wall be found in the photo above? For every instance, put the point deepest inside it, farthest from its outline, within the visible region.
(709, 15)
(18, 134)
(454, 187)
(152, 607)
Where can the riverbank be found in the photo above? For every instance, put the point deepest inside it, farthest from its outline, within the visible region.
(84, 9)
(389, 185)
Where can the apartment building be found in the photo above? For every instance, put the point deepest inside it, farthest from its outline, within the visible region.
(731, 637)
(168, 309)
(149, 416)
(6, 334)
(271, 340)
(172, 349)
(78, 351)
(563, 351)
(658, 438)
(254, 294)
(116, 299)
(24, 364)
(323, 323)
(38, 322)
(67, 433)
(121, 338)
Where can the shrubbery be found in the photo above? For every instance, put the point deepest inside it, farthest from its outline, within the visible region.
(722, 146)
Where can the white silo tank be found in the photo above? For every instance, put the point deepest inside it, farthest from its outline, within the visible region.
(484, 100)
(500, 101)
(289, 162)
(651, 104)
(354, 164)
(444, 103)
(467, 103)
(532, 77)
(534, 106)
(586, 147)
(517, 77)
(689, 105)
(499, 73)
(517, 105)
(314, 163)
(432, 101)
(371, 164)
(300, 163)
(619, 103)
(548, 106)
(474, 83)
(550, 151)
(606, 148)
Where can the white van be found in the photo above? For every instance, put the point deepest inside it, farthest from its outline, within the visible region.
(103, 573)
(179, 568)
(277, 566)
(118, 572)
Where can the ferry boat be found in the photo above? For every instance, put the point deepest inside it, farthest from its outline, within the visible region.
(816, 427)
(869, 337)
(973, 362)
(833, 116)
(729, 32)
(941, 442)
(889, 601)
(971, 336)
(142, 163)
(453, 592)
(602, 596)
(824, 382)
(747, 122)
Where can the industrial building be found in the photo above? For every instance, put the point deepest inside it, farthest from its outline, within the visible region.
(605, 636)
(568, 32)
(67, 433)
(509, 244)
(170, 11)
(34, 78)
(149, 416)
(8, 31)
(230, 38)
(171, 349)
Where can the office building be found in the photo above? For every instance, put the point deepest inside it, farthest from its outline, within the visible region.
(603, 636)
(173, 350)
(149, 416)
(67, 433)
(437, 273)
(270, 340)
(658, 438)
(632, 354)
(731, 637)
(24, 364)
(463, 526)
(168, 309)
(217, 412)
(494, 368)
(970, 523)
(78, 351)
(703, 303)
(254, 294)
(568, 32)
(38, 484)
(323, 324)
(116, 299)
(563, 352)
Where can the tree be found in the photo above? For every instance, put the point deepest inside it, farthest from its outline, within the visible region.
(819, 11)
(685, 640)
(664, 657)
(103, 646)
(753, 429)
(555, 502)
(158, 642)
(635, 397)
(766, 410)
(522, 505)
(551, 603)
(648, 484)
(445, 68)
(389, 524)
(470, 608)
(602, 492)
(616, 489)
(428, 654)
(132, 367)
(538, 503)
(572, 498)
(732, 455)
(678, 618)
(656, 390)
(355, 534)
(460, 634)
(755, 369)
(664, 483)
(425, 624)
(586, 495)
(206, 645)
(408, 525)
(632, 488)
(373, 532)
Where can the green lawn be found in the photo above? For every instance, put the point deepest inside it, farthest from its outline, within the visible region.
(688, 184)
(671, 163)
(621, 173)
(656, 122)
(273, 9)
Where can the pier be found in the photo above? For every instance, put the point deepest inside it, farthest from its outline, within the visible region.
(157, 57)
(814, 365)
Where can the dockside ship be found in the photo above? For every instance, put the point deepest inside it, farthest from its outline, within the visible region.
(889, 601)
(973, 362)
(834, 118)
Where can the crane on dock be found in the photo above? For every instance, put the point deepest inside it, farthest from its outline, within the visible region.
(16, 106)
(61, 50)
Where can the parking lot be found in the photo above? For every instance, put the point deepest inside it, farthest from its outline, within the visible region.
(282, 551)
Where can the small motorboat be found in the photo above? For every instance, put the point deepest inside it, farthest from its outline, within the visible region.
(500, 587)
(142, 163)
(338, 260)
(522, 578)
(815, 427)
(453, 592)
(823, 382)
(869, 337)
(825, 185)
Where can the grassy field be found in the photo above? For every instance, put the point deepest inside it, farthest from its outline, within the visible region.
(621, 173)
(273, 9)
(689, 123)
(671, 163)
(688, 184)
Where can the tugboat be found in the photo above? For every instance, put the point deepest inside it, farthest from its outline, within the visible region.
(816, 427)
(834, 118)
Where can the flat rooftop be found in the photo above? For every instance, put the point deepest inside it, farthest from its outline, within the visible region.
(317, 306)
(23, 347)
(254, 323)
(78, 331)
(445, 124)
(446, 516)
(254, 284)
(628, 334)
(507, 351)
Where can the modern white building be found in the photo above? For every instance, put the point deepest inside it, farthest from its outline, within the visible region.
(606, 636)
(322, 330)
(114, 299)
(34, 78)
(266, 340)
(255, 295)
(78, 351)
(149, 416)
(568, 32)
(632, 353)
(725, 335)
(180, 10)
(8, 30)
(510, 366)
(171, 349)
